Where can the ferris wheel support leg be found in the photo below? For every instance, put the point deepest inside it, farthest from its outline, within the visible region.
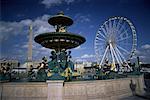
(121, 62)
(119, 57)
(114, 66)
(124, 60)
(120, 54)
(104, 55)
(115, 54)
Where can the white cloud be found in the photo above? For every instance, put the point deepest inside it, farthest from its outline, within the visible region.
(49, 3)
(26, 22)
(37, 50)
(144, 53)
(142, 57)
(39, 24)
(80, 60)
(79, 18)
(79, 48)
(87, 56)
(13, 28)
(25, 46)
(146, 46)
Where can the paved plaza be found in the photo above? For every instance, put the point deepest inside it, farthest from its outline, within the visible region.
(133, 98)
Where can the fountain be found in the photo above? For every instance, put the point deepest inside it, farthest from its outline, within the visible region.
(60, 67)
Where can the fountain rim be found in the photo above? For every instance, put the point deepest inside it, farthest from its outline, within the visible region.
(52, 36)
(63, 19)
(58, 34)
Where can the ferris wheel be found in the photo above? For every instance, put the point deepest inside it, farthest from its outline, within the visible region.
(115, 43)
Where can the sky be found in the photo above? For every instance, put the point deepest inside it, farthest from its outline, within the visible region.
(88, 16)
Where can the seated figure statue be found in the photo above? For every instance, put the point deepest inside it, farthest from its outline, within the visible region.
(60, 66)
(41, 74)
(31, 73)
(5, 73)
(54, 67)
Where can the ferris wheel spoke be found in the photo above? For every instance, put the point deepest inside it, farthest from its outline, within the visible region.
(114, 27)
(125, 44)
(104, 55)
(125, 31)
(123, 49)
(122, 27)
(114, 53)
(100, 33)
(105, 32)
(98, 47)
(114, 24)
(113, 58)
(110, 27)
(120, 54)
(124, 38)
(119, 24)
(98, 44)
(107, 29)
(97, 38)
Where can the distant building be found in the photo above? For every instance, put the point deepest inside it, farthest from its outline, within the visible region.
(79, 67)
(10, 63)
(145, 67)
(86, 69)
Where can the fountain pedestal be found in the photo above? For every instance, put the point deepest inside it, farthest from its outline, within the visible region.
(55, 89)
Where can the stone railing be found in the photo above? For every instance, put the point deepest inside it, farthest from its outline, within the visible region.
(76, 90)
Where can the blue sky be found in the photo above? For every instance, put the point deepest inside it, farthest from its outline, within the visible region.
(88, 15)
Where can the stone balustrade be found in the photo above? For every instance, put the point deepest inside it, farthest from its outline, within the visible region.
(113, 89)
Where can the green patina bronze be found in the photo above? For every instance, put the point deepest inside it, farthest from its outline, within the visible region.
(60, 67)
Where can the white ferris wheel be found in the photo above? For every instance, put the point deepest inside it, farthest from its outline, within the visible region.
(115, 43)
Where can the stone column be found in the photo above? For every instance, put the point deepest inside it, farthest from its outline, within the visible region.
(55, 89)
